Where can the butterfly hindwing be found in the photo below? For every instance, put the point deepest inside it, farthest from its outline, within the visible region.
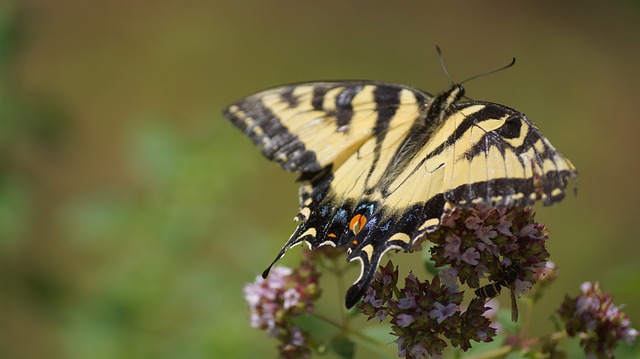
(380, 162)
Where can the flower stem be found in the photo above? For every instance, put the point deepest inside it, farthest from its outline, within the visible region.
(341, 292)
(496, 353)
(504, 350)
(357, 336)
(372, 343)
(328, 320)
(553, 337)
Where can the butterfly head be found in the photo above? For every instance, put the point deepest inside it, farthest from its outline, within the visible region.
(441, 105)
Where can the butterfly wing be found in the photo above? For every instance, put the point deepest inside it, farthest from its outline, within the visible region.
(497, 157)
(309, 126)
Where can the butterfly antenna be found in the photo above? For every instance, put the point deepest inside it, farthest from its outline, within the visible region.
(513, 61)
(444, 68)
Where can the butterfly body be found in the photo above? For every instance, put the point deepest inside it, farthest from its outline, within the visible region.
(379, 162)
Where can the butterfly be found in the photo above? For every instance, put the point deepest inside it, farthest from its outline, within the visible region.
(380, 162)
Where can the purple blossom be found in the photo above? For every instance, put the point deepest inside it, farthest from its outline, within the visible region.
(443, 312)
(504, 227)
(476, 245)
(297, 337)
(473, 222)
(372, 299)
(419, 351)
(452, 249)
(404, 320)
(451, 219)
(522, 286)
(449, 278)
(481, 335)
(629, 335)
(381, 315)
(379, 292)
(428, 312)
(407, 302)
(255, 292)
(493, 306)
(599, 323)
(470, 256)
(529, 230)
(490, 238)
(485, 234)
(277, 277)
(291, 298)
(402, 346)
(274, 301)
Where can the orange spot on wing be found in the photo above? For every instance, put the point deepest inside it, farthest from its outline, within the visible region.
(357, 223)
(332, 235)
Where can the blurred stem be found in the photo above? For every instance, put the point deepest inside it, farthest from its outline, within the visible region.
(554, 337)
(357, 336)
(527, 317)
(496, 353)
(328, 320)
(339, 271)
(373, 343)
(504, 350)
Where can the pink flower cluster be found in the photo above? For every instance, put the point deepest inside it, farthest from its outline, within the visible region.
(600, 324)
(274, 301)
(423, 313)
(481, 242)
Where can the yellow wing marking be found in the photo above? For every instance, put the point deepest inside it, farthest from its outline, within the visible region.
(400, 237)
(351, 177)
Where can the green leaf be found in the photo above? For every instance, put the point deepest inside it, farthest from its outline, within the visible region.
(343, 346)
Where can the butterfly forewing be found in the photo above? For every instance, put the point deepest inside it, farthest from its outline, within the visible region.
(306, 127)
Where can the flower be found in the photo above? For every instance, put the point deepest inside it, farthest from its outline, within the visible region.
(483, 241)
(493, 306)
(599, 323)
(379, 292)
(291, 298)
(404, 320)
(273, 303)
(452, 249)
(449, 277)
(474, 245)
(443, 312)
(470, 256)
(294, 345)
(407, 303)
(381, 315)
(423, 313)
(371, 298)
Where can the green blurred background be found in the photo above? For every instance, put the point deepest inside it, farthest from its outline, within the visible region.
(132, 213)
